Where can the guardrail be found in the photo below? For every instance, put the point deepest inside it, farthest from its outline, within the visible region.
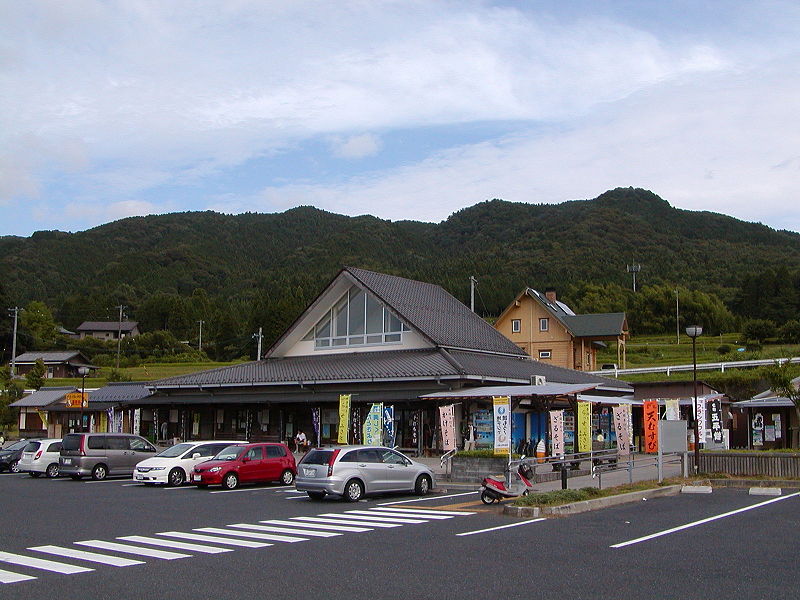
(715, 366)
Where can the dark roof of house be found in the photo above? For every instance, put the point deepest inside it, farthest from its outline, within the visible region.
(120, 392)
(352, 367)
(52, 357)
(590, 325)
(43, 397)
(107, 326)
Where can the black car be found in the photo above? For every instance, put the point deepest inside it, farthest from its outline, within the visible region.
(9, 457)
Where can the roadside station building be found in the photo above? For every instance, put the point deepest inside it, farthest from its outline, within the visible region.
(376, 337)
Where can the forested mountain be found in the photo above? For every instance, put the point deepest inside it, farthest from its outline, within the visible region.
(261, 269)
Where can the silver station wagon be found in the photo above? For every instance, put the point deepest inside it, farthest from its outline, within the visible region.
(353, 471)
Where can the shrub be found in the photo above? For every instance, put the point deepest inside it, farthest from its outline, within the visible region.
(723, 349)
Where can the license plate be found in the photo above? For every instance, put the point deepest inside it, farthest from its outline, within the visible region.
(310, 472)
(140, 477)
(198, 478)
(67, 461)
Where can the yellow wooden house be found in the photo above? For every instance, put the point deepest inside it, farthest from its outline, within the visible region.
(548, 330)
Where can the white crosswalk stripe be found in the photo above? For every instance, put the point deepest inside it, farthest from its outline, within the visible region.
(128, 549)
(423, 511)
(214, 539)
(114, 561)
(251, 534)
(41, 563)
(370, 516)
(142, 539)
(274, 529)
(9, 577)
(340, 521)
(345, 528)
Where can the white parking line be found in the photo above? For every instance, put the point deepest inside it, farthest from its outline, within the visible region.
(106, 481)
(501, 527)
(403, 514)
(702, 521)
(428, 498)
(214, 539)
(251, 534)
(114, 561)
(40, 563)
(128, 549)
(297, 498)
(336, 519)
(142, 539)
(273, 529)
(245, 489)
(351, 529)
(9, 577)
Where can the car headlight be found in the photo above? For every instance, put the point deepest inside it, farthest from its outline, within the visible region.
(214, 469)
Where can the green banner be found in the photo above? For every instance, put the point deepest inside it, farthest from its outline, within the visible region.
(373, 426)
(584, 426)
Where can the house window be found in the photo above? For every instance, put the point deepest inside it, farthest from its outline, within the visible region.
(544, 324)
(516, 325)
(357, 319)
(545, 354)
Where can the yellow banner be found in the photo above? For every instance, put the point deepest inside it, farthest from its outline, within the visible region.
(344, 418)
(584, 426)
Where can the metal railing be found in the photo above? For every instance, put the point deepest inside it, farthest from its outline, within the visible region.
(714, 366)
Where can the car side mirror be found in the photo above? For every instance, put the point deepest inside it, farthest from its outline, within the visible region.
(245, 459)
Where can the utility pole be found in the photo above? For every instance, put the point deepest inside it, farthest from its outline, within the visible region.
(677, 319)
(472, 283)
(634, 269)
(119, 332)
(258, 336)
(14, 310)
(200, 342)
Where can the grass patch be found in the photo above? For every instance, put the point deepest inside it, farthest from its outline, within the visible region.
(144, 372)
(559, 497)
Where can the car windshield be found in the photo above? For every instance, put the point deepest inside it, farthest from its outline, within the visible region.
(228, 453)
(317, 457)
(175, 451)
(17, 445)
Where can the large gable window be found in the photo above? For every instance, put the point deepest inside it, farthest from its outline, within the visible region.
(357, 319)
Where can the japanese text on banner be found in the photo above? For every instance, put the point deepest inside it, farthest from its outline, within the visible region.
(373, 426)
(557, 432)
(502, 424)
(344, 417)
(701, 419)
(447, 422)
(388, 424)
(584, 427)
(715, 410)
(650, 426)
(623, 432)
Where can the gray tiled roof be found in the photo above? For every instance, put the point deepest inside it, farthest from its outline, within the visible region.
(120, 392)
(434, 312)
(107, 325)
(43, 397)
(51, 357)
(590, 325)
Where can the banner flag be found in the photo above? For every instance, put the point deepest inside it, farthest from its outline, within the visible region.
(373, 428)
(447, 423)
(623, 432)
(415, 429)
(388, 425)
(502, 425)
(715, 410)
(344, 417)
(137, 420)
(701, 419)
(557, 433)
(673, 412)
(650, 426)
(315, 419)
(584, 426)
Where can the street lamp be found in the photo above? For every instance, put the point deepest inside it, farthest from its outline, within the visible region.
(83, 372)
(694, 331)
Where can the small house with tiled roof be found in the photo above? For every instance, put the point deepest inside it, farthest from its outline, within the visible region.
(549, 331)
(107, 330)
(60, 363)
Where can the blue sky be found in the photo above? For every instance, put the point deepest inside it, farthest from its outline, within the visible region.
(400, 109)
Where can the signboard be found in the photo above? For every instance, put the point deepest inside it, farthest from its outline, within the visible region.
(373, 426)
(701, 419)
(650, 424)
(673, 411)
(584, 427)
(76, 400)
(447, 422)
(715, 414)
(622, 430)
(769, 433)
(344, 417)
(415, 429)
(316, 419)
(502, 425)
(557, 432)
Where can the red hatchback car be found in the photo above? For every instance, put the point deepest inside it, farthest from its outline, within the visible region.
(246, 463)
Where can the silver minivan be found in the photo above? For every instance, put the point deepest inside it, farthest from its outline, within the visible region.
(102, 454)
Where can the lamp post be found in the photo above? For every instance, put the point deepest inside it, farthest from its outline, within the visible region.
(83, 372)
(694, 331)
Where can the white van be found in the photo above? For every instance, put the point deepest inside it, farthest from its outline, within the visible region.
(41, 456)
(173, 465)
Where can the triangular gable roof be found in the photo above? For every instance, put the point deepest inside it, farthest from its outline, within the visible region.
(425, 307)
(50, 358)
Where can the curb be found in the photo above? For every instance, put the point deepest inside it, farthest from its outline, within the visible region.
(696, 489)
(588, 505)
(765, 491)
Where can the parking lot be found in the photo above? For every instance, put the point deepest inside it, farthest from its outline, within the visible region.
(271, 541)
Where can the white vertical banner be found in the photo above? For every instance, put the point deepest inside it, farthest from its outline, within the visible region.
(673, 411)
(701, 419)
(137, 421)
(447, 422)
(502, 425)
(557, 432)
(623, 432)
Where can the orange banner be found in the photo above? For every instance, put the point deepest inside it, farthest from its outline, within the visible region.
(650, 426)
(76, 400)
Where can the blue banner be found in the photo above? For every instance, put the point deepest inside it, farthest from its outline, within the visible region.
(388, 425)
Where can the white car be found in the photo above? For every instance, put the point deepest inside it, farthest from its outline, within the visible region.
(41, 456)
(173, 465)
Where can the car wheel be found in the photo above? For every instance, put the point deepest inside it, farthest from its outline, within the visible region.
(99, 472)
(76, 477)
(287, 477)
(176, 477)
(14, 467)
(423, 485)
(52, 470)
(316, 495)
(353, 491)
(34, 474)
(230, 481)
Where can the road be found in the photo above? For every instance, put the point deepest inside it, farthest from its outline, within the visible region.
(271, 542)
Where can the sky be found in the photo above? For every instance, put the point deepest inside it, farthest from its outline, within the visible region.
(399, 109)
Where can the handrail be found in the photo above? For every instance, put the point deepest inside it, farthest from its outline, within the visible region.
(447, 457)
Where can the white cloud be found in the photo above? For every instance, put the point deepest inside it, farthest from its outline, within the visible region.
(356, 146)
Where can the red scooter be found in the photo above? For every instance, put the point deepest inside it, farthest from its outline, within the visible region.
(494, 490)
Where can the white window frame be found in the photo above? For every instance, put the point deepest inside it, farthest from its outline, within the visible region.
(516, 325)
(544, 324)
(545, 354)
